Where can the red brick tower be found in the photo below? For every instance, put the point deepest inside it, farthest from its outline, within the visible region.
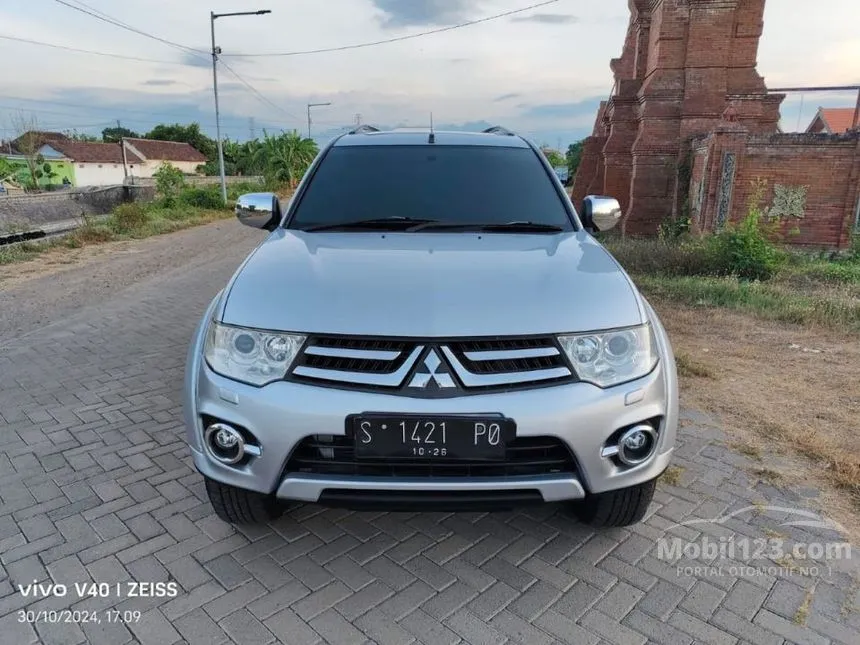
(684, 63)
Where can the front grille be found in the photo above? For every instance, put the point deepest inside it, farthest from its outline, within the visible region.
(508, 355)
(524, 456)
(390, 364)
(367, 356)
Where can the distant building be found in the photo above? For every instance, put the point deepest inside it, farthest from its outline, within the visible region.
(153, 153)
(833, 120)
(94, 164)
(18, 150)
(85, 163)
(36, 138)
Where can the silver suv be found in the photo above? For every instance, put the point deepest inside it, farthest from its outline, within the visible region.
(430, 324)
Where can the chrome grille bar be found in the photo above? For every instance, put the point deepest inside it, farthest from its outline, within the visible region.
(391, 379)
(511, 354)
(470, 379)
(349, 352)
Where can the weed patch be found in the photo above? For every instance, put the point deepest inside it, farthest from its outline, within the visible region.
(689, 366)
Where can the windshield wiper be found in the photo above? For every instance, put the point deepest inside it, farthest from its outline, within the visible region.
(395, 223)
(514, 227)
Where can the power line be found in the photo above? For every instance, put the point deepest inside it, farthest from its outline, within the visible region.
(118, 109)
(398, 38)
(113, 21)
(90, 51)
(126, 119)
(100, 15)
(62, 120)
(255, 91)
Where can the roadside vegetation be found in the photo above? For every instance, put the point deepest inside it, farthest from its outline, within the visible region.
(746, 267)
(766, 338)
(177, 206)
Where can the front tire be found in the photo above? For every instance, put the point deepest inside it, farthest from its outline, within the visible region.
(620, 507)
(239, 506)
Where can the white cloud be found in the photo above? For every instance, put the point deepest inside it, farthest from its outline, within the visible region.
(560, 59)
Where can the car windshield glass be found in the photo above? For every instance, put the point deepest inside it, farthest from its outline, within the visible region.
(446, 184)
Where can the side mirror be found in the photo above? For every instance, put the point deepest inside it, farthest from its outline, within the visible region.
(600, 213)
(259, 210)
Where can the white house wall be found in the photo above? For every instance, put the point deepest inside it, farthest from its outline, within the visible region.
(148, 168)
(98, 174)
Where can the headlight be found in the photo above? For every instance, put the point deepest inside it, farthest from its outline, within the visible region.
(612, 357)
(250, 355)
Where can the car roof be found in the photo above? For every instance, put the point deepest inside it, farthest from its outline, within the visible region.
(416, 136)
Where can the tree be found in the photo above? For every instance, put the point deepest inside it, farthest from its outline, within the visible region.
(554, 157)
(187, 134)
(28, 141)
(9, 170)
(114, 135)
(284, 158)
(574, 156)
(74, 135)
(169, 182)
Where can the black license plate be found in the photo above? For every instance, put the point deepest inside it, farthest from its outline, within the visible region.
(432, 437)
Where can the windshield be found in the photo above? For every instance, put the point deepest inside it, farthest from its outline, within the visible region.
(448, 184)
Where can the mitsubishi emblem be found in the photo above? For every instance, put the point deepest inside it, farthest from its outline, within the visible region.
(433, 371)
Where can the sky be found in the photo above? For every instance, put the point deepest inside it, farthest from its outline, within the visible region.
(541, 72)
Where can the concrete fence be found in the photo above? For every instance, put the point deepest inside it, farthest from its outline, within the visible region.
(31, 211)
(34, 210)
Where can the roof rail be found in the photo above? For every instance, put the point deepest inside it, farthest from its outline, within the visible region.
(498, 129)
(364, 128)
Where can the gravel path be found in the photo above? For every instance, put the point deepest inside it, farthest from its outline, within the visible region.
(106, 271)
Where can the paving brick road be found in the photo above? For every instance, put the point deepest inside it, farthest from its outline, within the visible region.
(96, 485)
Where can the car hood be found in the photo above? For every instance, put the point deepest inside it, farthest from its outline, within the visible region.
(431, 285)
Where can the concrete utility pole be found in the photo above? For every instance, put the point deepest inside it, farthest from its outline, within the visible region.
(122, 148)
(311, 105)
(215, 52)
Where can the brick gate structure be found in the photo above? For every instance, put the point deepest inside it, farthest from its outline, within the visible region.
(691, 124)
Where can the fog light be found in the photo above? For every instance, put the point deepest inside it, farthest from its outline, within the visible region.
(634, 446)
(225, 443)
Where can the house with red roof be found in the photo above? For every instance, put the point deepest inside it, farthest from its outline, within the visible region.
(95, 164)
(153, 153)
(834, 120)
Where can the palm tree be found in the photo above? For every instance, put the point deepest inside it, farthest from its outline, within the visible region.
(284, 158)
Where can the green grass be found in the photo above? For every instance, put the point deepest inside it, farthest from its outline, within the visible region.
(771, 301)
(803, 288)
(129, 222)
(823, 271)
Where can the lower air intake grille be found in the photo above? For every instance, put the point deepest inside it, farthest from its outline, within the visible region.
(525, 456)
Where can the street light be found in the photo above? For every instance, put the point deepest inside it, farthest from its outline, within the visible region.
(310, 105)
(215, 52)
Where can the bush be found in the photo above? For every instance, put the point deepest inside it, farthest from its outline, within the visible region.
(854, 251)
(661, 257)
(743, 250)
(202, 197)
(240, 188)
(169, 182)
(674, 228)
(128, 218)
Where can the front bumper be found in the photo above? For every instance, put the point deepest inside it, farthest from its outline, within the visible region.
(581, 415)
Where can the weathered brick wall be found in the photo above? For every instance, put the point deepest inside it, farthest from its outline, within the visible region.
(683, 67)
(827, 165)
